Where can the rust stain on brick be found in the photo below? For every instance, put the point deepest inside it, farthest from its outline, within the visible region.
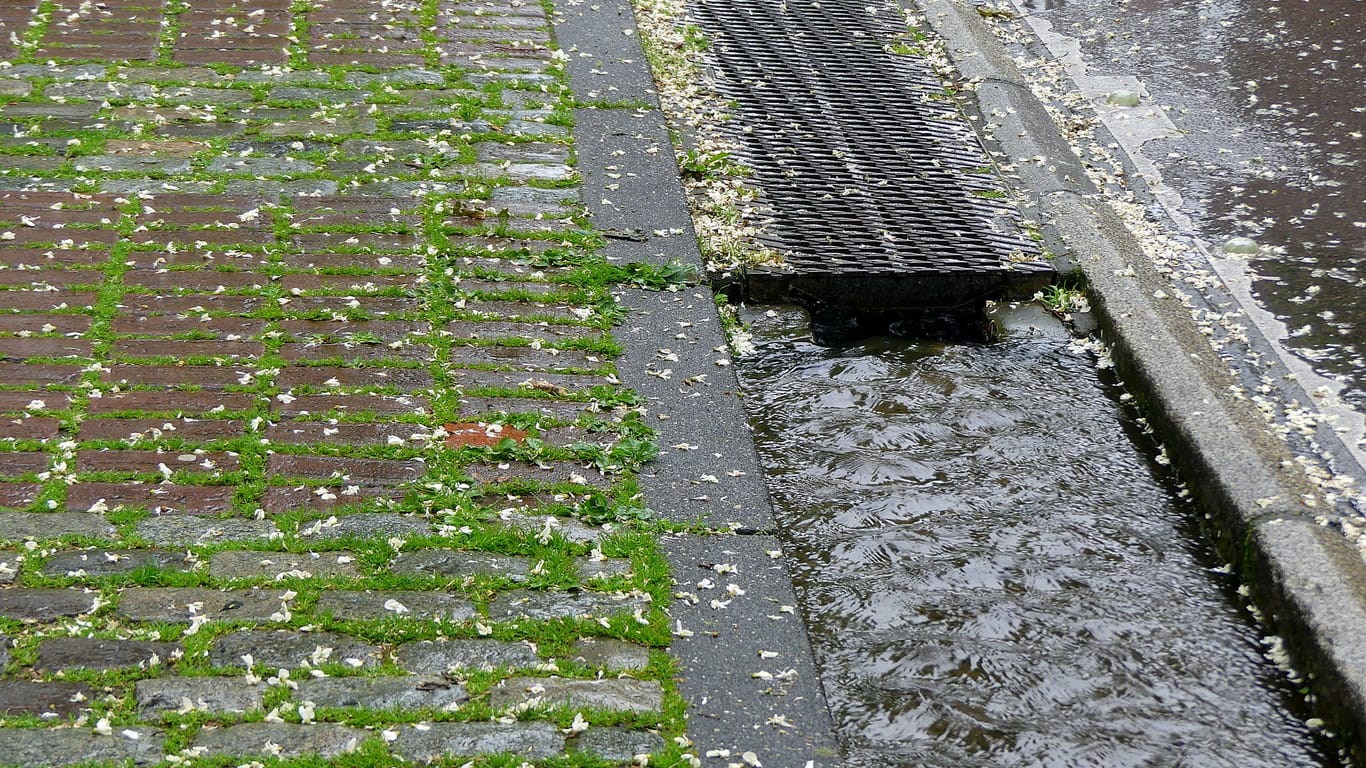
(473, 434)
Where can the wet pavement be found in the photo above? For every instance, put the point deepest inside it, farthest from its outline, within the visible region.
(995, 572)
(1266, 101)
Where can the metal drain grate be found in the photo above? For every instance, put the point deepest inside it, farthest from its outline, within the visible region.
(869, 170)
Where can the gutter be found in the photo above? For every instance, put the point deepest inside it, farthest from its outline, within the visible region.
(1307, 581)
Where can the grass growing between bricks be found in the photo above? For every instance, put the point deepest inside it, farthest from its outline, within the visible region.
(309, 385)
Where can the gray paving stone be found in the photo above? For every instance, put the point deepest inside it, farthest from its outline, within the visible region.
(67, 114)
(207, 694)
(407, 692)
(281, 739)
(302, 77)
(135, 186)
(15, 88)
(297, 188)
(365, 525)
(341, 126)
(45, 525)
(102, 90)
(289, 649)
(436, 125)
(193, 94)
(45, 604)
(183, 603)
(601, 569)
(112, 562)
(435, 657)
(610, 653)
(317, 95)
(394, 147)
(497, 152)
(11, 562)
(186, 530)
(200, 75)
(398, 78)
(530, 604)
(400, 189)
(519, 172)
(617, 694)
(534, 128)
(132, 164)
(519, 200)
(43, 699)
(571, 529)
(66, 746)
(428, 742)
(27, 183)
(33, 163)
(354, 604)
(262, 166)
(250, 564)
(461, 563)
(617, 745)
(94, 653)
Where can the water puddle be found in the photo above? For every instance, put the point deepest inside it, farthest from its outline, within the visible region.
(993, 574)
(1267, 101)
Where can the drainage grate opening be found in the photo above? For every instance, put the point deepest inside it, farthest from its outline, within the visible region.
(880, 193)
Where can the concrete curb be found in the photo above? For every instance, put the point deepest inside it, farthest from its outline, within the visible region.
(1308, 582)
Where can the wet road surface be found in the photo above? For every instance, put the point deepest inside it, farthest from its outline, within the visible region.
(993, 574)
(1269, 100)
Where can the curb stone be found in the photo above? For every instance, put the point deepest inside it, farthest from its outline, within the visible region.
(1307, 581)
(707, 473)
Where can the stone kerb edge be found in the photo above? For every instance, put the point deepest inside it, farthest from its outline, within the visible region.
(1308, 583)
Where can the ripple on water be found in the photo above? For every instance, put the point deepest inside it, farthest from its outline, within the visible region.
(991, 572)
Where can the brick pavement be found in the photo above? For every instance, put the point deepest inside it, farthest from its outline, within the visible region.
(311, 440)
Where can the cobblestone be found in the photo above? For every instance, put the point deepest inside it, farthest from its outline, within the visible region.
(281, 740)
(170, 531)
(394, 604)
(184, 603)
(462, 564)
(44, 605)
(549, 605)
(44, 699)
(609, 653)
(230, 695)
(615, 694)
(409, 692)
(288, 649)
(618, 744)
(435, 657)
(53, 746)
(428, 742)
(246, 564)
(113, 562)
(62, 653)
(250, 369)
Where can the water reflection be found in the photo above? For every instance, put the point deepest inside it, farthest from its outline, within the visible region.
(992, 573)
(1270, 97)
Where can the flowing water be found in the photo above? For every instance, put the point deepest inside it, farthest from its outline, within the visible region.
(993, 574)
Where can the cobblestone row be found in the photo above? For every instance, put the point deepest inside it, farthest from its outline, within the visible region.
(311, 441)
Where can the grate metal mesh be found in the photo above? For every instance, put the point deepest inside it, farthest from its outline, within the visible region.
(866, 166)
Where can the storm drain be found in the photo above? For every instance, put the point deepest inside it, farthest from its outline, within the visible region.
(880, 193)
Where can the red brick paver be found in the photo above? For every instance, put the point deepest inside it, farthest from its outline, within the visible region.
(247, 303)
